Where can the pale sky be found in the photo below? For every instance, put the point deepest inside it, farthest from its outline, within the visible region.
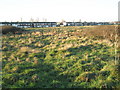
(56, 10)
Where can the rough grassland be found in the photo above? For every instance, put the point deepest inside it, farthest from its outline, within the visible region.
(61, 57)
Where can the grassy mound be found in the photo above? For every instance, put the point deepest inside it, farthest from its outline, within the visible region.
(11, 29)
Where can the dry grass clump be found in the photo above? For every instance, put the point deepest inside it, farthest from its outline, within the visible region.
(11, 29)
(118, 32)
(65, 46)
(28, 49)
(102, 31)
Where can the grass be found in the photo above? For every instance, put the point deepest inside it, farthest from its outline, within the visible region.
(60, 57)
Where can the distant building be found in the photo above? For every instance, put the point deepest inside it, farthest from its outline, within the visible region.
(63, 23)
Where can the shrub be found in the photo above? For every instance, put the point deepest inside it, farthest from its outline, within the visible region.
(10, 29)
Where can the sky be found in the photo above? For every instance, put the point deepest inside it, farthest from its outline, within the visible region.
(57, 10)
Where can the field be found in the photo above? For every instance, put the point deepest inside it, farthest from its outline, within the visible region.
(61, 57)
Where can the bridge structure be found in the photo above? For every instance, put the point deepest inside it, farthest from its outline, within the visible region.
(51, 24)
(29, 24)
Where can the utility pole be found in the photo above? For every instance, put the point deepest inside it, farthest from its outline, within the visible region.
(74, 22)
(79, 20)
(37, 20)
(21, 19)
(32, 20)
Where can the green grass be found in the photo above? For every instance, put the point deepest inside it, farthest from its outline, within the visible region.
(55, 58)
